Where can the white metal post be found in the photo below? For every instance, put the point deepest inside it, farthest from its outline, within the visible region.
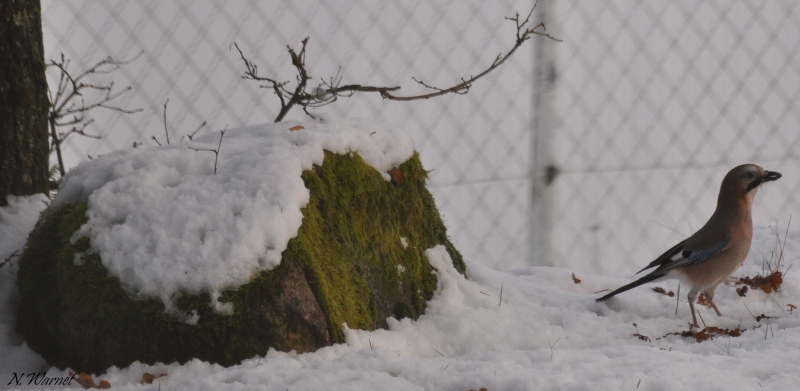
(544, 170)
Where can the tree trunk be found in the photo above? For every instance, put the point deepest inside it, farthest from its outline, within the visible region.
(24, 150)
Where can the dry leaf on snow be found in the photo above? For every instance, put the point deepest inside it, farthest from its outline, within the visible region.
(397, 175)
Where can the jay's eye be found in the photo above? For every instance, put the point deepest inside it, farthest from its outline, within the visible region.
(750, 175)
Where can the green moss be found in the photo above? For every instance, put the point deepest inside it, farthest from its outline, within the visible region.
(361, 235)
(341, 268)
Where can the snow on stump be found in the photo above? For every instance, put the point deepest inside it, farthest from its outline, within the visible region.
(146, 255)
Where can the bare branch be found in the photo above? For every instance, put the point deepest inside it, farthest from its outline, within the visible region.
(216, 151)
(251, 73)
(68, 105)
(78, 129)
(10, 257)
(196, 130)
(166, 128)
(166, 132)
(328, 91)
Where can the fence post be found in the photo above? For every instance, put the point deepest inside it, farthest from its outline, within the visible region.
(544, 170)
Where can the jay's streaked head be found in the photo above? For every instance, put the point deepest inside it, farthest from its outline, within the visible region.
(745, 180)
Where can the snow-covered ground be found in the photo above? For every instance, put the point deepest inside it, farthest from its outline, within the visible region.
(534, 328)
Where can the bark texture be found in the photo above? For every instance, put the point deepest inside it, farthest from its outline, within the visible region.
(24, 151)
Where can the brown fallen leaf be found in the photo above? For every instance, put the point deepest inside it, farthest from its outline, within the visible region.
(575, 279)
(147, 378)
(742, 291)
(772, 282)
(709, 332)
(792, 307)
(767, 284)
(702, 300)
(686, 333)
(662, 291)
(763, 316)
(642, 337)
(397, 175)
(295, 128)
(85, 380)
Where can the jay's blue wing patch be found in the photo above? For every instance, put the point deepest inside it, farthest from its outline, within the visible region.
(682, 257)
(678, 256)
(697, 256)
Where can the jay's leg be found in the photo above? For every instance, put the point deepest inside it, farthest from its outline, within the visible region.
(710, 296)
(692, 296)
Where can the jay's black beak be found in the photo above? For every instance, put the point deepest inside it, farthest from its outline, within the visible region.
(770, 176)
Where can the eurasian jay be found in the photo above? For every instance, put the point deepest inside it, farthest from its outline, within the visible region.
(705, 259)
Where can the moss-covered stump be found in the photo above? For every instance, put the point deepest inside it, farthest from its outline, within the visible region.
(346, 265)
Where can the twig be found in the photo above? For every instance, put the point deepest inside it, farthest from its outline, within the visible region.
(166, 129)
(701, 319)
(748, 310)
(783, 243)
(328, 91)
(726, 350)
(552, 345)
(68, 106)
(673, 230)
(166, 132)
(216, 151)
(190, 136)
(501, 295)
(9, 258)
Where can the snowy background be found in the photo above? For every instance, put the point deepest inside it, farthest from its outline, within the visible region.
(650, 105)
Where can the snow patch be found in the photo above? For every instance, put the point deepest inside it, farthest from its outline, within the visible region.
(17, 219)
(465, 340)
(165, 225)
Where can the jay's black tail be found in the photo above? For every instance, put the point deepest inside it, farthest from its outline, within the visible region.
(641, 281)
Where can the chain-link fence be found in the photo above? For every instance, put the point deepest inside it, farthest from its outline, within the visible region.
(593, 153)
(655, 102)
